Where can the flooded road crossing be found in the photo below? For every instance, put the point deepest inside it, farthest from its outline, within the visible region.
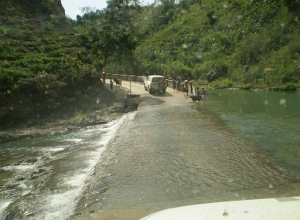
(166, 154)
(172, 155)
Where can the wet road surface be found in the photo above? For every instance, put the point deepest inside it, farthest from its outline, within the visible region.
(168, 154)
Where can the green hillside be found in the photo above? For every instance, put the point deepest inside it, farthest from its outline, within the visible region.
(39, 68)
(248, 44)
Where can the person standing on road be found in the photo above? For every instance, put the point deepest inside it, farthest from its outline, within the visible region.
(111, 84)
(191, 87)
(174, 83)
(103, 78)
(186, 86)
(178, 84)
(203, 94)
(197, 91)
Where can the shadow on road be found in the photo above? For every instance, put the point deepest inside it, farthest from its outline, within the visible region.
(150, 100)
(161, 94)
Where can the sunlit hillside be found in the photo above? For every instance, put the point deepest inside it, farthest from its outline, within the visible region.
(246, 44)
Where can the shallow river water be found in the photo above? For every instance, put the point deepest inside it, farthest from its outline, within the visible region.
(171, 152)
(271, 120)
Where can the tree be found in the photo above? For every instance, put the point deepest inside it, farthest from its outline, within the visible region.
(104, 41)
(111, 35)
(118, 11)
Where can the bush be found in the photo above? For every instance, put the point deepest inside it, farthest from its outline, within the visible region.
(9, 77)
(6, 83)
(290, 87)
(222, 83)
(221, 67)
(252, 49)
(42, 84)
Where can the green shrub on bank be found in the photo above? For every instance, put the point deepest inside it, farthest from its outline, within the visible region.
(290, 87)
(222, 83)
(9, 77)
(45, 84)
(245, 86)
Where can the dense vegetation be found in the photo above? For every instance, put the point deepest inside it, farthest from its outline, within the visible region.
(246, 43)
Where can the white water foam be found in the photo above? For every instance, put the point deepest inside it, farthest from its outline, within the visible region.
(21, 167)
(56, 149)
(76, 140)
(61, 205)
(4, 205)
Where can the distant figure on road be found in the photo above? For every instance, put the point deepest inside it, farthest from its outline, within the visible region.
(191, 87)
(186, 86)
(118, 82)
(197, 91)
(111, 84)
(174, 83)
(103, 78)
(177, 84)
(203, 94)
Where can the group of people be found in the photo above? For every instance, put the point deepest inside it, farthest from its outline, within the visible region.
(176, 83)
(188, 87)
(111, 81)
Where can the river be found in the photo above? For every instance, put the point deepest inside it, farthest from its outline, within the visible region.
(171, 152)
(271, 120)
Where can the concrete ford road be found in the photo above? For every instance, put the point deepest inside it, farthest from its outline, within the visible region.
(155, 83)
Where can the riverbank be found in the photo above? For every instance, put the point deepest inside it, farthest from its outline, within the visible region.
(100, 109)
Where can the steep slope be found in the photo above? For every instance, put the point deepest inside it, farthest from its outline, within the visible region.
(246, 43)
(37, 50)
(31, 9)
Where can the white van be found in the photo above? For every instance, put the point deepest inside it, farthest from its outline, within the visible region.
(155, 83)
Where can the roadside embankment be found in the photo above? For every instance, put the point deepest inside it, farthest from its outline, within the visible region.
(84, 109)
